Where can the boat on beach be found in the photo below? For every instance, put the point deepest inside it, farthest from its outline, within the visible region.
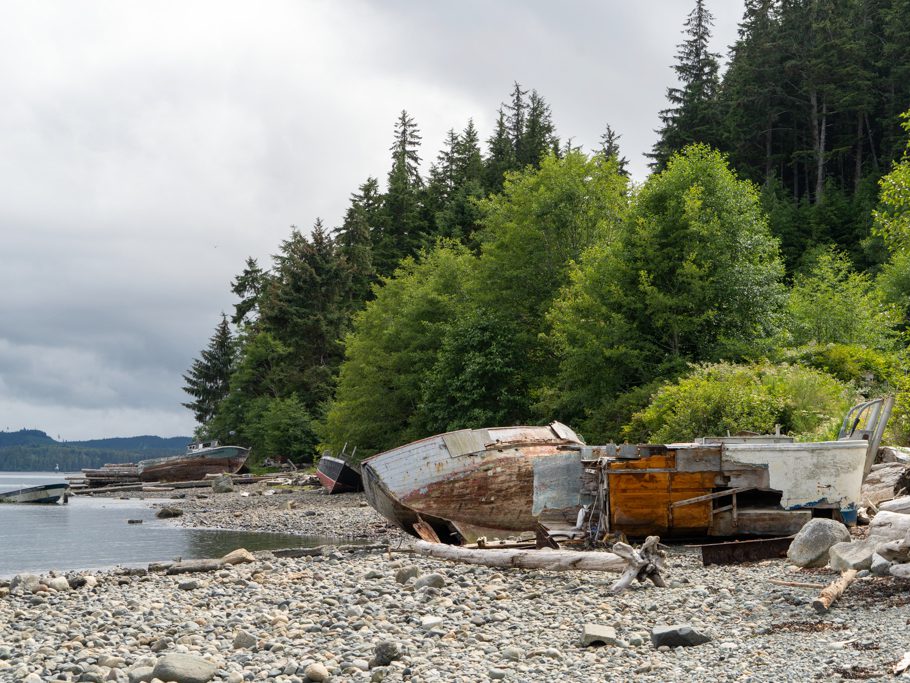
(338, 476)
(200, 459)
(44, 494)
(458, 486)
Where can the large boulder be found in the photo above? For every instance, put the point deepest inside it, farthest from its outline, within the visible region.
(901, 504)
(890, 525)
(677, 635)
(24, 583)
(184, 669)
(856, 555)
(811, 545)
(223, 484)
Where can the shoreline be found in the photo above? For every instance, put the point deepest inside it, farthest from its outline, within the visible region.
(326, 616)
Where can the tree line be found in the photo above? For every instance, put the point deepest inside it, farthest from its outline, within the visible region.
(759, 276)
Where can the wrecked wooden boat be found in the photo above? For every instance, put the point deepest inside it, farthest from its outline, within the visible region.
(337, 475)
(199, 460)
(454, 487)
(475, 482)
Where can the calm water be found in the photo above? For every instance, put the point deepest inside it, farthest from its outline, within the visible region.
(93, 533)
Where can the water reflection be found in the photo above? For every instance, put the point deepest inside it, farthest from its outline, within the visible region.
(94, 533)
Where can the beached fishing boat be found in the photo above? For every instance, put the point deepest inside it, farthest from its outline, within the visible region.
(337, 475)
(199, 460)
(459, 485)
(44, 494)
(478, 481)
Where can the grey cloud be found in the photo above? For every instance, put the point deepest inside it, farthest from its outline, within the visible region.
(147, 149)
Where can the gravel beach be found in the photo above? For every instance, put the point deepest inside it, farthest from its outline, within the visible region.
(351, 614)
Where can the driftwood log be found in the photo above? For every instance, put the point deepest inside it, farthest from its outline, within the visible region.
(833, 591)
(641, 564)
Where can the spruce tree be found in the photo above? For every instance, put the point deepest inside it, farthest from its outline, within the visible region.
(248, 286)
(500, 155)
(208, 378)
(609, 147)
(354, 241)
(692, 114)
(403, 228)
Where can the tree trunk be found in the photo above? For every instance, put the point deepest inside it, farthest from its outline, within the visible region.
(819, 129)
(858, 161)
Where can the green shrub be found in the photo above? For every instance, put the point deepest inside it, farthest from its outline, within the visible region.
(727, 398)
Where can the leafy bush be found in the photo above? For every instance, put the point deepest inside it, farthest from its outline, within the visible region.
(727, 398)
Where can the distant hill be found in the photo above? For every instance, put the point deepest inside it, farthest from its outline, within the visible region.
(34, 450)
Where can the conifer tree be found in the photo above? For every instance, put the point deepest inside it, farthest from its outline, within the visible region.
(354, 241)
(208, 377)
(403, 227)
(500, 155)
(692, 114)
(609, 147)
(304, 310)
(248, 286)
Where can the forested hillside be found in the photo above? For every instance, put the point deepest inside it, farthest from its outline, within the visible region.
(759, 276)
(33, 450)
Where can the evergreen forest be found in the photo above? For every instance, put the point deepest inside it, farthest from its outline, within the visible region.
(759, 276)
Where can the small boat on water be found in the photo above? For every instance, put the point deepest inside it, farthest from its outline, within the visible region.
(45, 494)
(338, 476)
(200, 459)
(458, 486)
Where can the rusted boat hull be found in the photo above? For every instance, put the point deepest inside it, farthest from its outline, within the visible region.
(337, 476)
(503, 479)
(193, 466)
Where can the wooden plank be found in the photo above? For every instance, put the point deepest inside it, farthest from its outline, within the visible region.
(760, 521)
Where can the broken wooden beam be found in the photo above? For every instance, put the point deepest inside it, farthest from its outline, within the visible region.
(833, 591)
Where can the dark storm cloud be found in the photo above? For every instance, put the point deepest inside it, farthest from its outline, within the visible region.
(147, 149)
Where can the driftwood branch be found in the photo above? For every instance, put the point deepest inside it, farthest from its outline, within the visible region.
(796, 584)
(644, 563)
(833, 591)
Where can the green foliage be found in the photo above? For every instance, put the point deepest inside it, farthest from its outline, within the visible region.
(873, 372)
(285, 428)
(894, 285)
(725, 398)
(543, 220)
(892, 218)
(693, 276)
(834, 304)
(477, 379)
(393, 345)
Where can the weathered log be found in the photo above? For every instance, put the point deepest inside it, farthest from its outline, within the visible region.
(833, 591)
(645, 563)
(193, 566)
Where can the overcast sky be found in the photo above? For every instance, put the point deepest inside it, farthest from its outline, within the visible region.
(146, 149)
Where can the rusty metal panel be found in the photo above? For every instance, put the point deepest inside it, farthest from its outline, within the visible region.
(564, 432)
(642, 491)
(465, 441)
(659, 461)
(694, 518)
(698, 459)
(745, 551)
(557, 485)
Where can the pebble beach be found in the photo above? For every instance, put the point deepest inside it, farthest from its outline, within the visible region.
(349, 613)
